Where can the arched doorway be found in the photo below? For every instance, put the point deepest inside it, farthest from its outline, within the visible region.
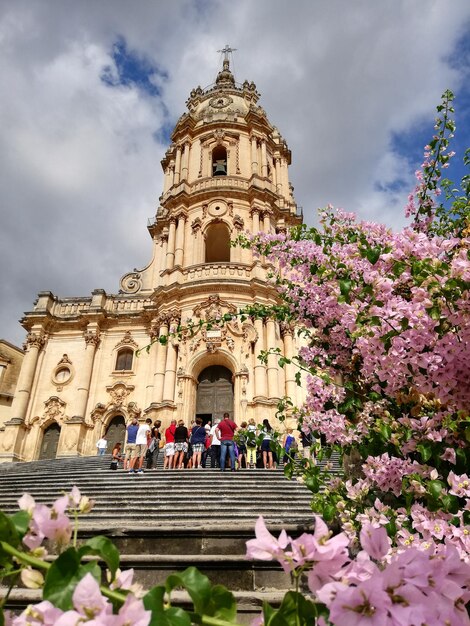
(116, 432)
(50, 442)
(214, 393)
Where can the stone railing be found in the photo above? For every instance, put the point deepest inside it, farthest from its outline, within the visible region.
(205, 271)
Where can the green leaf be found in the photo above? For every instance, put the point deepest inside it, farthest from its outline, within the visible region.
(295, 610)
(103, 547)
(8, 534)
(20, 521)
(425, 450)
(435, 487)
(196, 584)
(223, 603)
(345, 285)
(451, 504)
(64, 575)
(172, 616)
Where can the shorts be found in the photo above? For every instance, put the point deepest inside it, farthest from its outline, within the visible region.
(181, 446)
(199, 447)
(169, 449)
(130, 451)
(266, 445)
(140, 449)
(241, 449)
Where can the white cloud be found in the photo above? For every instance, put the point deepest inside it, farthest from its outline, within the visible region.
(79, 167)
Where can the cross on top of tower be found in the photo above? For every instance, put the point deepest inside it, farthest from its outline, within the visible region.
(226, 51)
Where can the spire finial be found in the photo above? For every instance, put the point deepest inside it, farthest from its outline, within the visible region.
(226, 51)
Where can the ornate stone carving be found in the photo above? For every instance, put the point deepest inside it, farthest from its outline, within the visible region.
(119, 392)
(238, 222)
(34, 340)
(98, 412)
(126, 341)
(92, 338)
(286, 328)
(213, 308)
(54, 409)
(196, 225)
(131, 283)
(64, 359)
(133, 410)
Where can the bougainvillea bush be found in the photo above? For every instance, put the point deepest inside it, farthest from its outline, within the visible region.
(386, 319)
(343, 586)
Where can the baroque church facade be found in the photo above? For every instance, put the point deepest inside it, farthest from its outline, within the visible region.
(82, 375)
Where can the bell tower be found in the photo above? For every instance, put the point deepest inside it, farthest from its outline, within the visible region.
(225, 172)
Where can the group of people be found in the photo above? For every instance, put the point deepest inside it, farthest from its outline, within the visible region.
(226, 445)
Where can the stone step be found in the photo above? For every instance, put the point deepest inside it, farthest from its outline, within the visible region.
(249, 603)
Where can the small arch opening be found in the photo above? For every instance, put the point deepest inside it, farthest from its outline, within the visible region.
(219, 161)
(50, 442)
(217, 244)
(124, 360)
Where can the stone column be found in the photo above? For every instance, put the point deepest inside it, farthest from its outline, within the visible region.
(266, 222)
(170, 254)
(285, 178)
(291, 385)
(178, 165)
(260, 368)
(170, 368)
(255, 217)
(152, 363)
(160, 362)
(278, 176)
(160, 258)
(273, 380)
(254, 155)
(179, 246)
(35, 341)
(197, 235)
(167, 179)
(264, 160)
(92, 340)
(185, 162)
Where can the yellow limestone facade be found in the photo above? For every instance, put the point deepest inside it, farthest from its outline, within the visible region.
(225, 172)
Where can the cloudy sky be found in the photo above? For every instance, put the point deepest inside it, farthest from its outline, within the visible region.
(91, 90)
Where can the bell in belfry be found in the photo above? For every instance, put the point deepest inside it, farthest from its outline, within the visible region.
(220, 167)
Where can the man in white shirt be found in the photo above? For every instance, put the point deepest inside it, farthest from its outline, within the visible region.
(144, 434)
(102, 444)
(215, 446)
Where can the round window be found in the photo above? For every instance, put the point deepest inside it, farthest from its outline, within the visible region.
(62, 375)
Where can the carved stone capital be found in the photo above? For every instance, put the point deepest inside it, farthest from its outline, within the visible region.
(92, 338)
(35, 340)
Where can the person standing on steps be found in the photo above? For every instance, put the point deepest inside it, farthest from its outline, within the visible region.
(198, 442)
(170, 446)
(154, 447)
(181, 444)
(215, 445)
(267, 433)
(142, 441)
(251, 444)
(225, 432)
(102, 444)
(129, 449)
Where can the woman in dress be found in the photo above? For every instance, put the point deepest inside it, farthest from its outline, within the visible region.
(267, 433)
(198, 442)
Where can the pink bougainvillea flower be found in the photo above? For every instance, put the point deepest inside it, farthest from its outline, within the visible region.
(375, 541)
(266, 547)
(42, 614)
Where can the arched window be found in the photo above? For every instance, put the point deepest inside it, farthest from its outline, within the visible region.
(124, 359)
(217, 243)
(219, 161)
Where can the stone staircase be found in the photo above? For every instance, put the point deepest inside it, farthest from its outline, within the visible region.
(165, 521)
